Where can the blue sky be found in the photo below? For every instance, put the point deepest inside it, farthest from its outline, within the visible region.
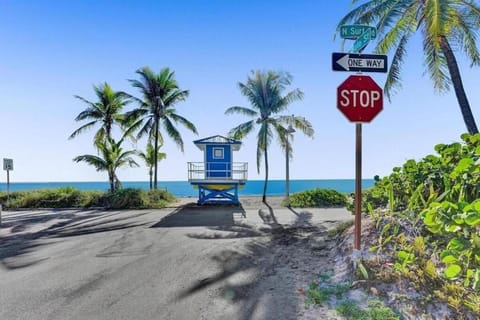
(53, 50)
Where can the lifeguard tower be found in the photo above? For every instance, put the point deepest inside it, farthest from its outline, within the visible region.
(217, 178)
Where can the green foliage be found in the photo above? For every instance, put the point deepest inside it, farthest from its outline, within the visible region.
(321, 290)
(376, 311)
(427, 215)
(65, 197)
(318, 198)
(69, 197)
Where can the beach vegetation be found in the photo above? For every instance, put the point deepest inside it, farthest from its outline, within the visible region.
(444, 26)
(324, 291)
(106, 112)
(132, 198)
(160, 92)
(265, 92)
(111, 157)
(69, 197)
(318, 198)
(427, 216)
(65, 197)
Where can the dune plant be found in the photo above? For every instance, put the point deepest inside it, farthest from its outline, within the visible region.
(432, 229)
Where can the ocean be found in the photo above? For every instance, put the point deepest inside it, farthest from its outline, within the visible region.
(185, 189)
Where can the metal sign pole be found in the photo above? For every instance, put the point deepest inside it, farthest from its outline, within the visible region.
(358, 185)
(8, 186)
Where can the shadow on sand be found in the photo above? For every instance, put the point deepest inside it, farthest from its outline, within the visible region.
(271, 261)
(208, 215)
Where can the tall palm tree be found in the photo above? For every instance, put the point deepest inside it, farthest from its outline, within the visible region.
(149, 158)
(443, 24)
(264, 90)
(106, 112)
(160, 92)
(110, 159)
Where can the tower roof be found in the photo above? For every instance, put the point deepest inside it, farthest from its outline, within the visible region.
(218, 139)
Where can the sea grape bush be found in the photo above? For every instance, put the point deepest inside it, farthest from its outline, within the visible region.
(438, 198)
(318, 198)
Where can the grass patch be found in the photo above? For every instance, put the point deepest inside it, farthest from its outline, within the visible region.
(321, 291)
(375, 311)
(340, 228)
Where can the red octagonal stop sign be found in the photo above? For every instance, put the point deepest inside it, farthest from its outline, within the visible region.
(359, 98)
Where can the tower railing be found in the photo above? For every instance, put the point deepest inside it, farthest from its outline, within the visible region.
(235, 171)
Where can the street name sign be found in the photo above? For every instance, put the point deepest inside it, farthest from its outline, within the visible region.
(359, 62)
(360, 98)
(362, 41)
(354, 31)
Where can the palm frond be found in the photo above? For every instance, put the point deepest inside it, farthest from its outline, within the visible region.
(242, 130)
(186, 123)
(173, 132)
(82, 129)
(242, 110)
(393, 76)
(99, 163)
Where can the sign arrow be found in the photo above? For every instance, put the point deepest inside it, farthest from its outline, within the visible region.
(359, 62)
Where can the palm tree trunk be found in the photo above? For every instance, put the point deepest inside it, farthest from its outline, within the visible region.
(155, 156)
(458, 86)
(264, 198)
(111, 181)
(150, 173)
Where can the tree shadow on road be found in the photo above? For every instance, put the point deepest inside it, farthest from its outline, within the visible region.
(209, 215)
(18, 249)
(261, 279)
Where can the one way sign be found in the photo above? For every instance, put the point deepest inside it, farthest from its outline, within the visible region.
(359, 62)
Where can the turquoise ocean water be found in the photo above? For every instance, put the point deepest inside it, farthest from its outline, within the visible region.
(185, 189)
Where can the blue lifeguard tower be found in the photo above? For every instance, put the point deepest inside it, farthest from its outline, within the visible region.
(218, 178)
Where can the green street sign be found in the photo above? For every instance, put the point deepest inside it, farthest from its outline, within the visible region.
(362, 41)
(354, 31)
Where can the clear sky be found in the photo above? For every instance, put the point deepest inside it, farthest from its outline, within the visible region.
(53, 50)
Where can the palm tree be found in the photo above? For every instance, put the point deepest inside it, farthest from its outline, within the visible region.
(160, 92)
(264, 91)
(110, 159)
(149, 158)
(105, 112)
(442, 24)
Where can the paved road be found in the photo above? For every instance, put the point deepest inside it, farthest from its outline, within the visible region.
(176, 263)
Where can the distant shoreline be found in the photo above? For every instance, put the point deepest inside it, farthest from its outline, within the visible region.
(185, 189)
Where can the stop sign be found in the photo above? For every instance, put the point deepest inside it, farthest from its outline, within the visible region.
(359, 98)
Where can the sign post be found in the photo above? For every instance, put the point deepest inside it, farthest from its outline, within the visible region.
(7, 166)
(359, 98)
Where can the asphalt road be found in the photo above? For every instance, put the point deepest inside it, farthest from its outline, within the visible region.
(176, 263)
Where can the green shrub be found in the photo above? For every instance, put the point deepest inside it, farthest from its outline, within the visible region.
(65, 197)
(318, 198)
(69, 197)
